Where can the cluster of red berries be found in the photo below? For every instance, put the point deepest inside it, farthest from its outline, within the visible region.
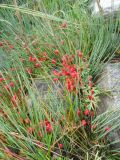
(11, 89)
(73, 75)
(87, 113)
(7, 86)
(34, 60)
(46, 124)
(6, 45)
(37, 61)
(48, 127)
(69, 72)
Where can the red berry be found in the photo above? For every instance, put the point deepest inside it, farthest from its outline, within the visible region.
(37, 65)
(78, 112)
(91, 97)
(70, 84)
(56, 52)
(47, 122)
(1, 79)
(107, 129)
(49, 129)
(90, 84)
(27, 120)
(7, 87)
(70, 87)
(55, 79)
(34, 59)
(60, 145)
(53, 61)
(31, 59)
(11, 46)
(5, 115)
(92, 92)
(45, 54)
(12, 84)
(56, 73)
(74, 74)
(1, 111)
(94, 126)
(1, 44)
(86, 112)
(64, 25)
(13, 99)
(42, 59)
(19, 112)
(29, 70)
(80, 54)
(84, 122)
(66, 73)
(62, 42)
(72, 69)
(90, 78)
(31, 130)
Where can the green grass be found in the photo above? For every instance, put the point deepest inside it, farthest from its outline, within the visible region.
(31, 30)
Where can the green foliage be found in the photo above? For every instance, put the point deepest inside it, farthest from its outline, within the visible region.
(30, 30)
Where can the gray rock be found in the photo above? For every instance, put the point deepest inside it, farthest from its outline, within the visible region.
(43, 87)
(110, 83)
(2, 60)
(44, 91)
(107, 6)
(5, 60)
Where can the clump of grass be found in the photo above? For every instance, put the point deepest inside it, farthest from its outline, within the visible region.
(68, 53)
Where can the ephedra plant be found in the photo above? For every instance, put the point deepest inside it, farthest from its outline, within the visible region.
(69, 54)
